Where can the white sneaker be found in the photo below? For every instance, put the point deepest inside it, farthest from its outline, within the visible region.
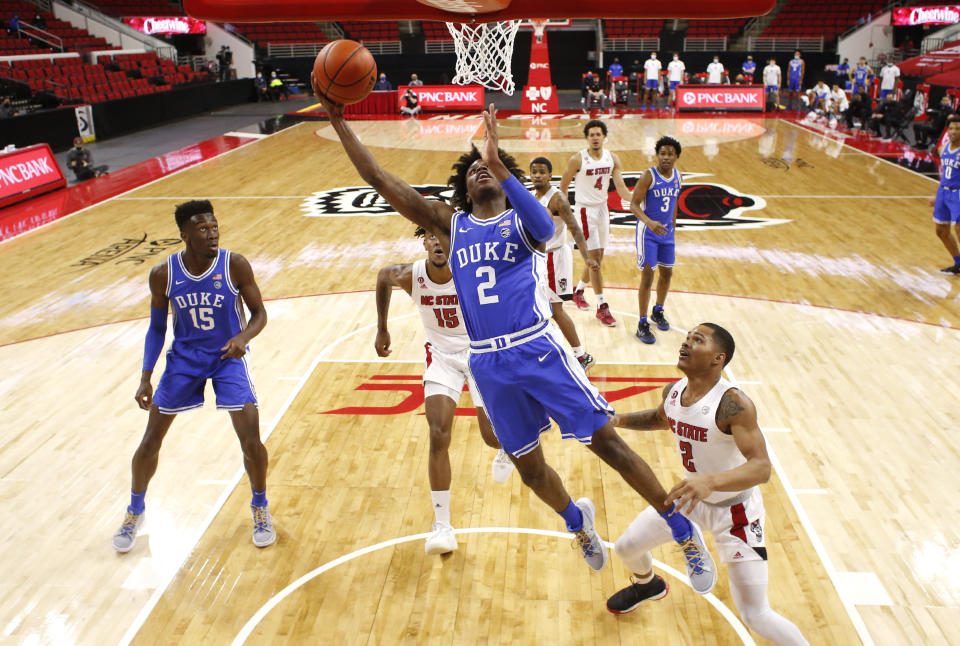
(263, 532)
(126, 536)
(502, 466)
(441, 541)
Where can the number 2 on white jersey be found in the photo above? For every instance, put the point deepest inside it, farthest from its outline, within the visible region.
(490, 282)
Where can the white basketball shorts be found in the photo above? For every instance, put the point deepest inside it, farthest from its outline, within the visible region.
(560, 271)
(595, 223)
(445, 374)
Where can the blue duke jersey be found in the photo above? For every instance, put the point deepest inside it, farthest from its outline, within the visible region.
(860, 75)
(497, 272)
(795, 66)
(661, 199)
(207, 311)
(950, 167)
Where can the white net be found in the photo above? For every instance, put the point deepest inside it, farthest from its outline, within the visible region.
(483, 53)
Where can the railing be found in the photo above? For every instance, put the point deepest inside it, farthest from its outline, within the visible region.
(642, 44)
(785, 44)
(932, 44)
(44, 5)
(439, 47)
(89, 13)
(42, 35)
(383, 46)
(705, 44)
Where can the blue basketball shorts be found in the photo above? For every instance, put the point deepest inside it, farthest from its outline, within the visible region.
(523, 386)
(946, 208)
(772, 88)
(884, 93)
(674, 84)
(653, 250)
(857, 87)
(181, 386)
(794, 85)
(652, 84)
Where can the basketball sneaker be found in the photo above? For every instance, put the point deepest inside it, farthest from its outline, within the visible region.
(661, 321)
(636, 593)
(126, 536)
(263, 532)
(441, 541)
(701, 569)
(580, 301)
(953, 271)
(502, 466)
(604, 315)
(644, 334)
(586, 361)
(591, 545)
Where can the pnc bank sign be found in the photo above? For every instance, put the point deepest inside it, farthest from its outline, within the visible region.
(720, 97)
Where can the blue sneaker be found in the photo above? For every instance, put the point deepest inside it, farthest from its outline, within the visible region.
(658, 318)
(644, 334)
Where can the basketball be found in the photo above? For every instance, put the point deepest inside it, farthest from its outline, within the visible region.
(345, 71)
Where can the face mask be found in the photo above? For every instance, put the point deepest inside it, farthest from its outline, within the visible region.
(653, 57)
(716, 60)
(796, 55)
(676, 58)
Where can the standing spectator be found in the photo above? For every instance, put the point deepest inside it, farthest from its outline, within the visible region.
(221, 63)
(615, 69)
(675, 69)
(260, 83)
(926, 132)
(651, 81)
(715, 72)
(795, 72)
(771, 82)
(80, 161)
(411, 103)
(228, 62)
(414, 81)
(383, 84)
(14, 26)
(843, 72)
(748, 69)
(888, 79)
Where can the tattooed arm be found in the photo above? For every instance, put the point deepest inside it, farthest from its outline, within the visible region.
(736, 416)
(654, 419)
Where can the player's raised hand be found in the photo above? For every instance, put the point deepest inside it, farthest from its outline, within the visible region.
(144, 395)
(333, 108)
(234, 348)
(491, 138)
(382, 343)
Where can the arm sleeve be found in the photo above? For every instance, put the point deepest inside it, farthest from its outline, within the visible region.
(155, 334)
(535, 218)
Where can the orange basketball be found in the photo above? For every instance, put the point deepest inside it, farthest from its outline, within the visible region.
(345, 71)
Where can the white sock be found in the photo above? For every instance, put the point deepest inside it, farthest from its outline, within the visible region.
(600, 300)
(441, 505)
(581, 286)
(578, 351)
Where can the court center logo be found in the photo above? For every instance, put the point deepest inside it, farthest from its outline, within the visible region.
(701, 205)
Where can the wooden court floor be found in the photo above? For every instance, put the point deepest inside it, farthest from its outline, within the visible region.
(847, 338)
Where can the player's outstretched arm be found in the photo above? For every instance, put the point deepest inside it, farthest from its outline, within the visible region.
(535, 219)
(242, 274)
(430, 214)
(560, 205)
(636, 204)
(573, 167)
(389, 277)
(738, 416)
(153, 344)
(654, 419)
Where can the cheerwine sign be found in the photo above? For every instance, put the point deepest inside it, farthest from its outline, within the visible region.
(446, 97)
(946, 15)
(167, 25)
(720, 97)
(27, 172)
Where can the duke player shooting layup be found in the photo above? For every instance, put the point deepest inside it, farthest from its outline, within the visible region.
(724, 457)
(207, 287)
(524, 374)
(946, 204)
(559, 255)
(654, 203)
(430, 285)
(594, 167)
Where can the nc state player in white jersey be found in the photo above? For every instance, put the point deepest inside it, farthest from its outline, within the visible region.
(725, 458)
(430, 284)
(593, 168)
(559, 257)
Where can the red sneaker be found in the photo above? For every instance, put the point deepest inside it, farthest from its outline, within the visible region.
(580, 301)
(603, 313)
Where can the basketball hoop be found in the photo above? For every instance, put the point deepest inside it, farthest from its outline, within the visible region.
(538, 27)
(484, 51)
